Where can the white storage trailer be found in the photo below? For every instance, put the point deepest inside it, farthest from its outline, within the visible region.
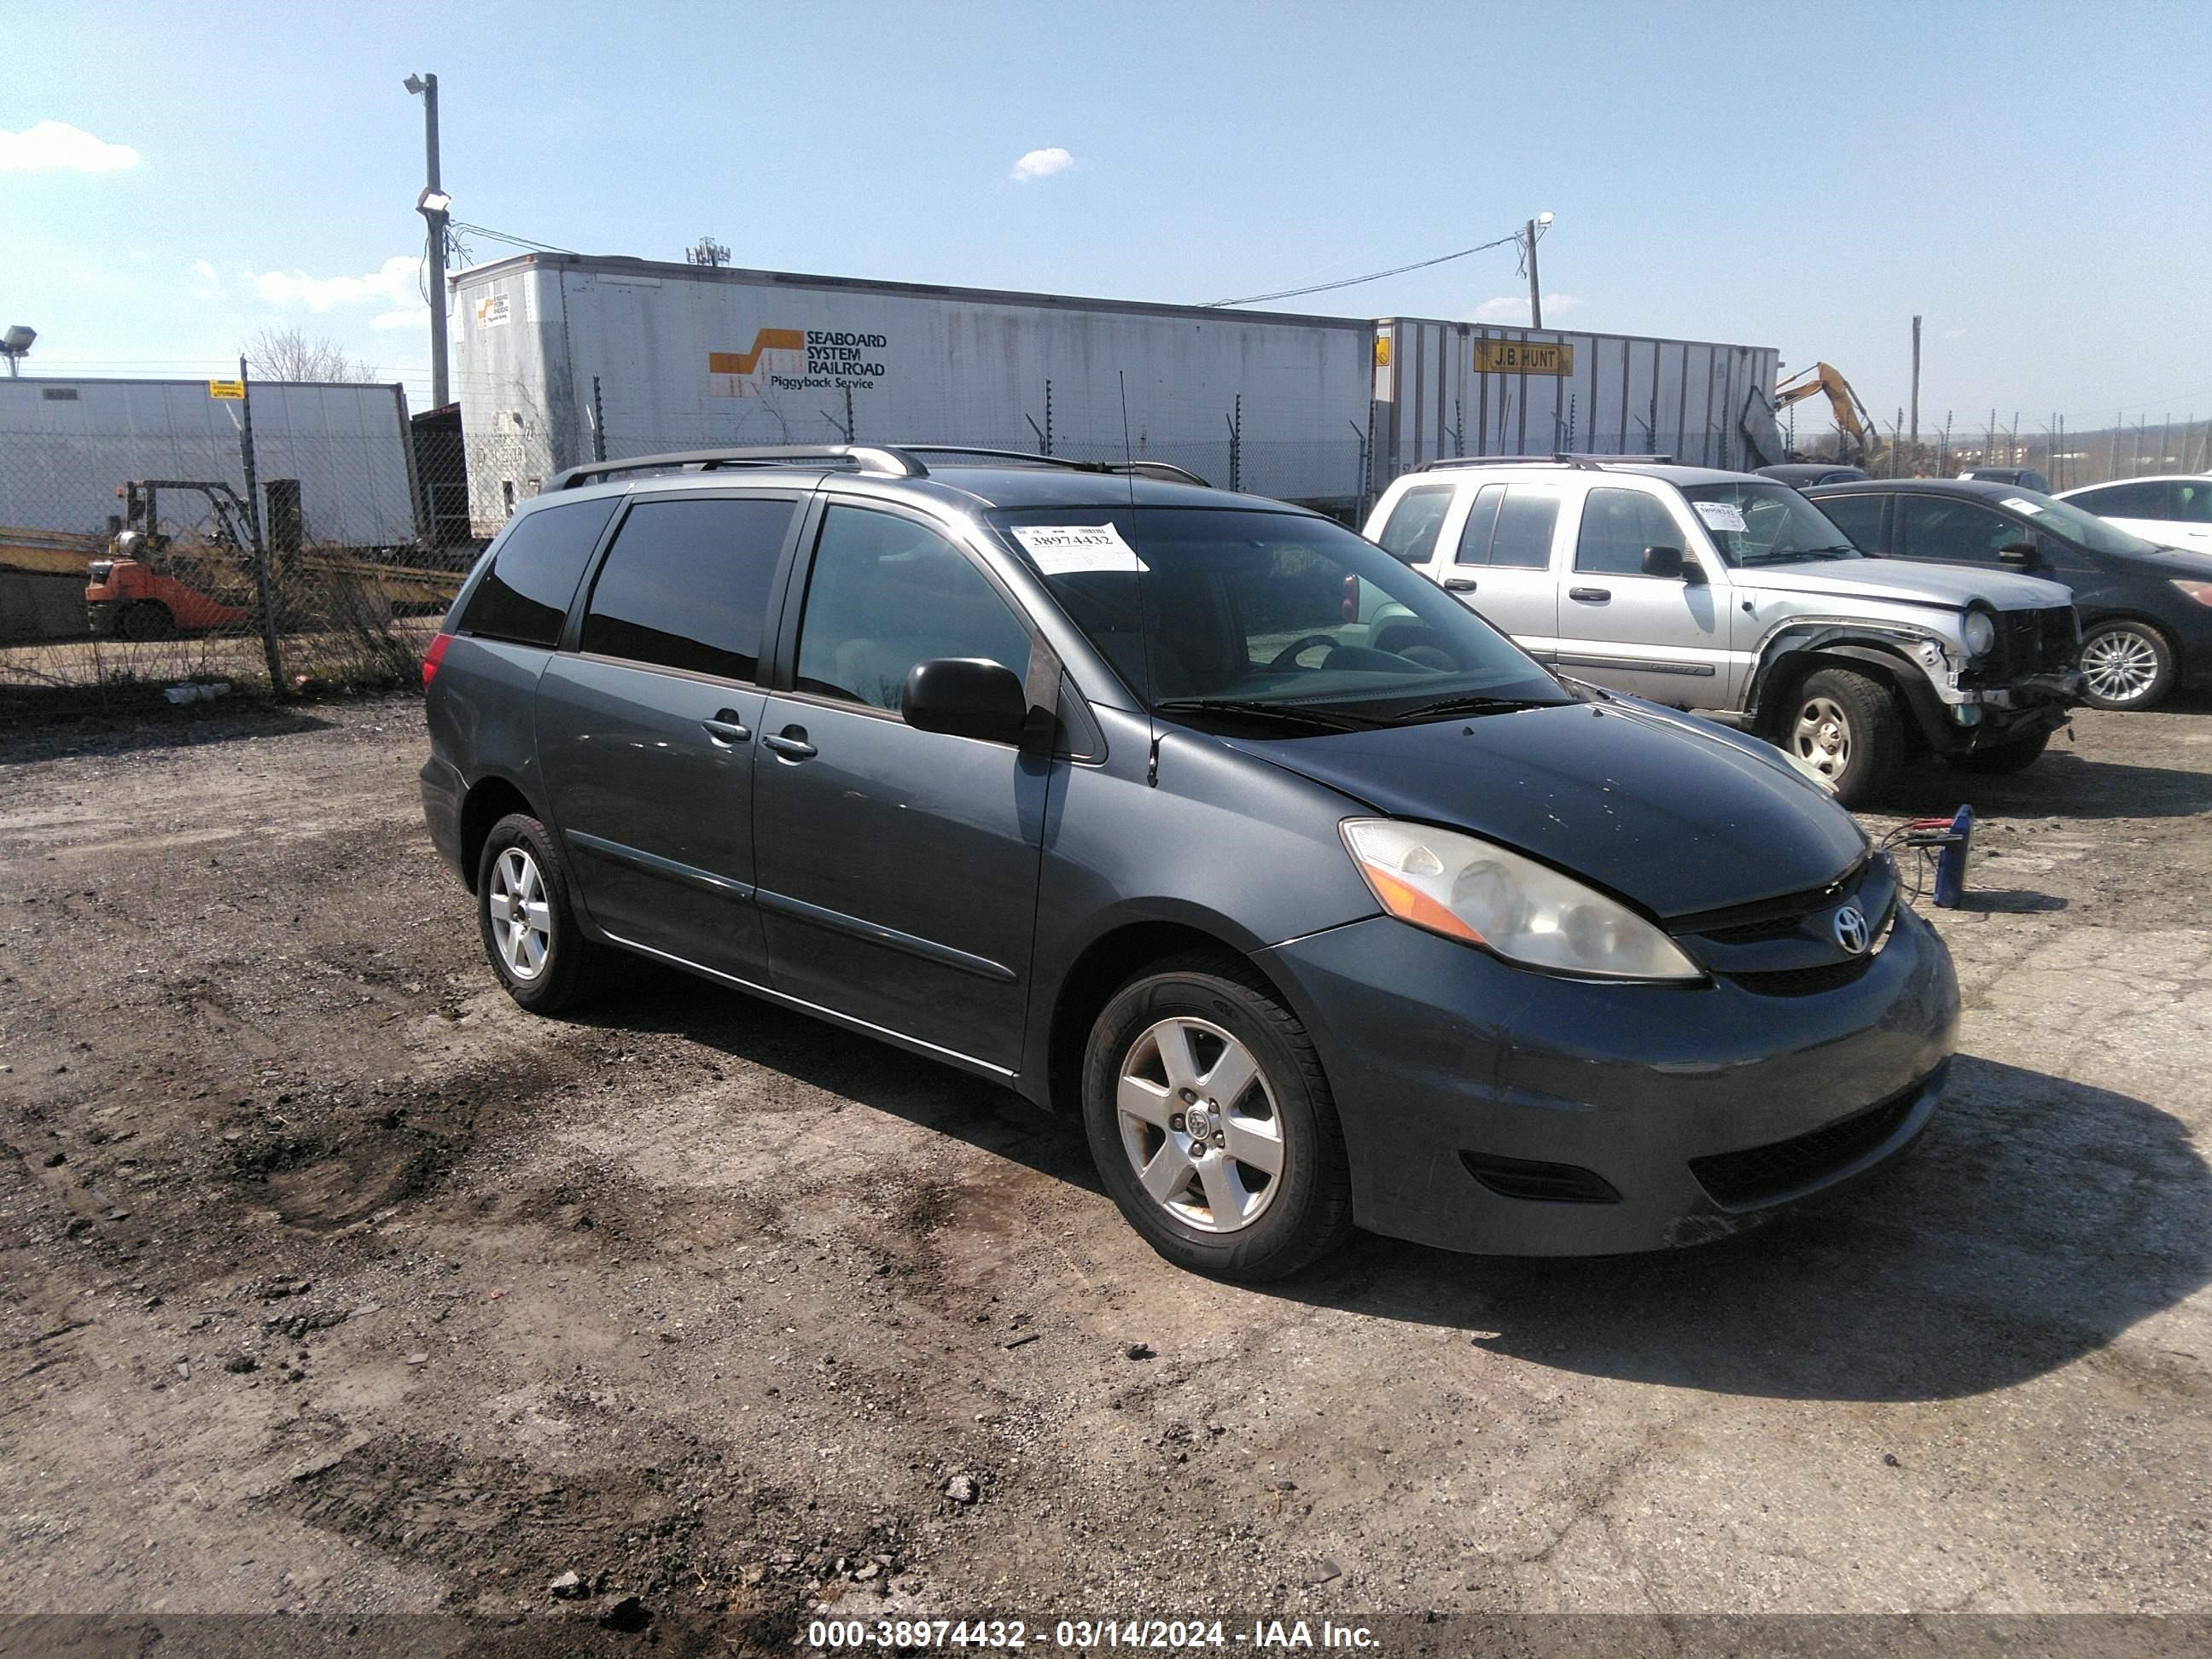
(557, 355)
(1445, 389)
(66, 445)
(560, 359)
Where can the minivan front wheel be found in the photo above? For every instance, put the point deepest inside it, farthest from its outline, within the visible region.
(1213, 1126)
(528, 924)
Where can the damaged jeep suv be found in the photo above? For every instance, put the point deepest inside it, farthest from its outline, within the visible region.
(1734, 595)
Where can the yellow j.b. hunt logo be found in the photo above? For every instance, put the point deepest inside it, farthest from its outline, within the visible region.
(797, 360)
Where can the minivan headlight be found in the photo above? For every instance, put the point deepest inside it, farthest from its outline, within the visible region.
(1981, 633)
(1473, 890)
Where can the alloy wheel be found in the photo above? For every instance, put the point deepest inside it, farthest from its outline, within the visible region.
(521, 919)
(1199, 1123)
(1822, 737)
(2120, 664)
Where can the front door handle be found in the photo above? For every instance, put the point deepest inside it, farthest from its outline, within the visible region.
(1593, 595)
(791, 741)
(727, 727)
(1459, 584)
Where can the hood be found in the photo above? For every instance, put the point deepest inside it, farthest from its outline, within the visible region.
(1677, 815)
(1949, 586)
(2189, 563)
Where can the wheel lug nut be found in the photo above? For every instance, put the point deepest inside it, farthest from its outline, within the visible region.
(1175, 1123)
(1187, 1096)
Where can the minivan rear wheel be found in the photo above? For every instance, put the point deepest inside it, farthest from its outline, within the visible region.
(527, 921)
(1845, 725)
(1212, 1123)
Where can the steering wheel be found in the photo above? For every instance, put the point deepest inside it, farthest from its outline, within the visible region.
(1286, 658)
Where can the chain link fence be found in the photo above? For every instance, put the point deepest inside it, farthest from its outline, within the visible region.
(2069, 458)
(142, 564)
(134, 562)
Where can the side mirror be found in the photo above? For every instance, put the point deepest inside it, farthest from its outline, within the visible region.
(1669, 564)
(966, 696)
(2026, 555)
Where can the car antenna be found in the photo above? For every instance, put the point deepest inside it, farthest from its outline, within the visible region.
(1144, 634)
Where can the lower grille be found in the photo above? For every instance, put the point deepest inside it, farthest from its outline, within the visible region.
(1758, 1174)
(1805, 981)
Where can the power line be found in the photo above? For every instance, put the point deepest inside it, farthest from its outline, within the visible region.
(1373, 277)
(502, 236)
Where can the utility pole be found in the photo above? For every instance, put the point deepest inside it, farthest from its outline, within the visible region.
(1535, 295)
(433, 204)
(1916, 383)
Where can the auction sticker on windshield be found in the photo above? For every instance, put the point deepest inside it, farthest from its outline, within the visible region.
(2021, 504)
(1722, 515)
(1077, 548)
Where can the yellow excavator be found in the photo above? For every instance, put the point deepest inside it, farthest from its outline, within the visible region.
(1851, 415)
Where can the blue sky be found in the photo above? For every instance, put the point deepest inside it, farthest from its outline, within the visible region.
(2033, 179)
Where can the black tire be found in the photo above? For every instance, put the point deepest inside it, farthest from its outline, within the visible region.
(2014, 757)
(1847, 726)
(571, 967)
(1307, 1208)
(2128, 647)
(146, 619)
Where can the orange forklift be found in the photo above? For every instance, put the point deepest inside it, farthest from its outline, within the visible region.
(155, 586)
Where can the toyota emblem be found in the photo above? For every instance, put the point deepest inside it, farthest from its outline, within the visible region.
(1851, 931)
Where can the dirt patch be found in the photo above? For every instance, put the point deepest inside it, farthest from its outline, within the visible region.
(333, 1282)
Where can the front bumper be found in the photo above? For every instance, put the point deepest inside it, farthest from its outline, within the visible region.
(1444, 1061)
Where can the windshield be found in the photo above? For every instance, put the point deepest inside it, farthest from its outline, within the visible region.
(1280, 621)
(1754, 522)
(2071, 523)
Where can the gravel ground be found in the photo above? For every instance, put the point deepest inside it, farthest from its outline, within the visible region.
(335, 1283)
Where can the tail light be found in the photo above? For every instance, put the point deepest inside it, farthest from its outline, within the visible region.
(433, 656)
(1352, 598)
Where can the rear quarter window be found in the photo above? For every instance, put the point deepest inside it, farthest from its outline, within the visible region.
(534, 573)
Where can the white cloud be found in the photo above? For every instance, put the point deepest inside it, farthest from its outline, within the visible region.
(1514, 308)
(1042, 164)
(1954, 333)
(418, 318)
(58, 147)
(206, 284)
(396, 282)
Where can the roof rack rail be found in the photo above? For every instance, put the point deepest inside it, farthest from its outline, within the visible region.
(1147, 468)
(865, 458)
(1563, 458)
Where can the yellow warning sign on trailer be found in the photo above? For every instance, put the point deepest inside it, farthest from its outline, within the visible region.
(234, 390)
(1523, 357)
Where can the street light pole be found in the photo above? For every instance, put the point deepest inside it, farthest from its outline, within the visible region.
(433, 204)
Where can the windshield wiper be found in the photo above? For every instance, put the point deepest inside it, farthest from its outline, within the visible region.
(1841, 551)
(1473, 703)
(1283, 713)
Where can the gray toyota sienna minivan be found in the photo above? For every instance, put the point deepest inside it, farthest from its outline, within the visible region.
(1092, 782)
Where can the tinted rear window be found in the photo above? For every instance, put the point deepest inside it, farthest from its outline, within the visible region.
(686, 585)
(525, 594)
(1523, 535)
(1411, 530)
(1859, 517)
